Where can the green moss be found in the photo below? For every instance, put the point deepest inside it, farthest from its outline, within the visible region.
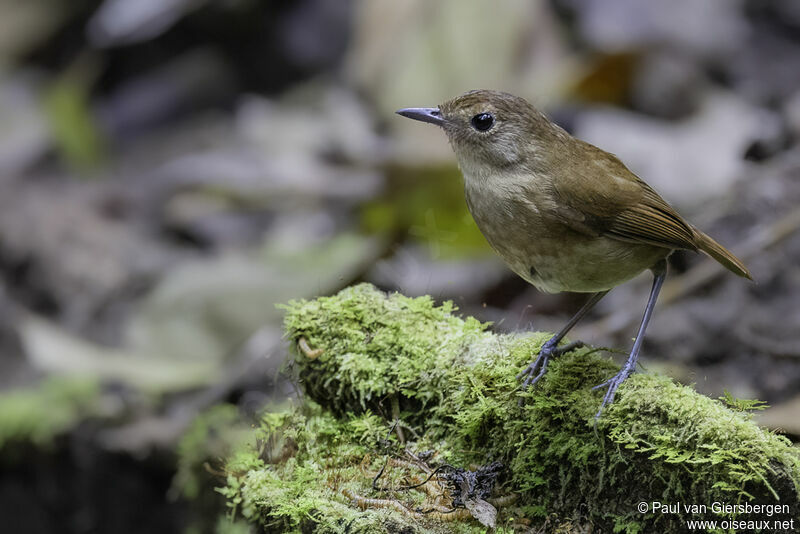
(308, 461)
(659, 441)
(38, 415)
(375, 348)
(453, 385)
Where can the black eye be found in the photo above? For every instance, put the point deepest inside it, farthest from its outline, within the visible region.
(482, 121)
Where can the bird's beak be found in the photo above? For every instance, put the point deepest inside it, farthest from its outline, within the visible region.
(431, 115)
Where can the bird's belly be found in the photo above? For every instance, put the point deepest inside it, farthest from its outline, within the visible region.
(582, 265)
(555, 258)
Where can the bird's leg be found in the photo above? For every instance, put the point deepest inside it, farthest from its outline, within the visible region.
(660, 272)
(551, 348)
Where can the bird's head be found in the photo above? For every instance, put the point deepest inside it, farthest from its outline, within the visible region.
(488, 130)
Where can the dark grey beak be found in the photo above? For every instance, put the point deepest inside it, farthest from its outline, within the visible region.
(431, 115)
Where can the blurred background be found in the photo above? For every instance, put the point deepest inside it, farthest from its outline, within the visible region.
(170, 170)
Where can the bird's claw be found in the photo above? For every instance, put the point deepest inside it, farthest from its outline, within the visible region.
(540, 363)
(548, 350)
(612, 383)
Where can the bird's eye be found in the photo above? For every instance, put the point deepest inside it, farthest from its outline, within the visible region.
(482, 121)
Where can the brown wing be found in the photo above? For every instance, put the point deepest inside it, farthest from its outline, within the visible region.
(604, 198)
(652, 221)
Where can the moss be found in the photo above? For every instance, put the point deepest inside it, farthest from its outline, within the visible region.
(38, 415)
(308, 467)
(375, 348)
(453, 385)
(659, 441)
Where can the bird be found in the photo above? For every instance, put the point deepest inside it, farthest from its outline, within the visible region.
(562, 213)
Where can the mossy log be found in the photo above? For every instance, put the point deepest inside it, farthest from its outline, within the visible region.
(403, 385)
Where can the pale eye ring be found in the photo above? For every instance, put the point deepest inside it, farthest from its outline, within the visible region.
(482, 121)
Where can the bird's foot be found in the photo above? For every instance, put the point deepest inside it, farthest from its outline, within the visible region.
(537, 367)
(613, 383)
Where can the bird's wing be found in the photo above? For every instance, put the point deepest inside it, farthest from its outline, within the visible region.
(608, 199)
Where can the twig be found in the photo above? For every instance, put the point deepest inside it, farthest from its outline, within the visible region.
(305, 348)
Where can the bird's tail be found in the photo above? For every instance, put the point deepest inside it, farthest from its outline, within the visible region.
(721, 254)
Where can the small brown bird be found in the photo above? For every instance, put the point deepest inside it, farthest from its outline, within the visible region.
(564, 214)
